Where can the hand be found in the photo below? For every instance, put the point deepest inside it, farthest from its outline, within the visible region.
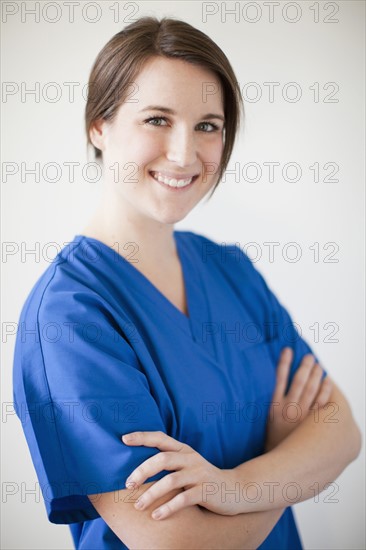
(307, 391)
(202, 482)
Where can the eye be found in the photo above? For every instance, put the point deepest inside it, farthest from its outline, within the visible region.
(155, 118)
(212, 124)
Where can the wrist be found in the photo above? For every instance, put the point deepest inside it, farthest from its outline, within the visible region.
(227, 491)
(246, 488)
(242, 488)
(258, 489)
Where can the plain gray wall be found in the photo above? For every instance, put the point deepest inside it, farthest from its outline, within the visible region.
(312, 49)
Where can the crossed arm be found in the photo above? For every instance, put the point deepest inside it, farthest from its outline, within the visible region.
(191, 527)
(309, 454)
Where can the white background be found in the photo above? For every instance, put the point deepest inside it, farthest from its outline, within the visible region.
(310, 130)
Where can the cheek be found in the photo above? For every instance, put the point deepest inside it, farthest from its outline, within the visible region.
(139, 147)
(212, 151)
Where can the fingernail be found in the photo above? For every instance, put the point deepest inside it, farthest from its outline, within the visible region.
(128, 437)
(130, 483)
(156, 514)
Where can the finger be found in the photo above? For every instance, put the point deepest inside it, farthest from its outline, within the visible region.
(153, 439)
(155, 464)
(180, 501)
(325, 392)
(301, 377)
(311, 389)
(282, 373)
(177, 480)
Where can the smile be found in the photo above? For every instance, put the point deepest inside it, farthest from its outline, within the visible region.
(173, 183)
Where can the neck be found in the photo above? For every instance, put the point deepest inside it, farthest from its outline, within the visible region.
(151, 242)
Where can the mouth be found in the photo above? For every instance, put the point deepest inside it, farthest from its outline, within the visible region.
(173, 184)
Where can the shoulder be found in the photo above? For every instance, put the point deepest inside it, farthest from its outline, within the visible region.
(63, 287)
(67, 322)
(228, 257)
(226, 265)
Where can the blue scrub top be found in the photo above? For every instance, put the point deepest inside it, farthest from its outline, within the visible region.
(101, 352)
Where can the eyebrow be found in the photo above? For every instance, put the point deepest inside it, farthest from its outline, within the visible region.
(172, 112)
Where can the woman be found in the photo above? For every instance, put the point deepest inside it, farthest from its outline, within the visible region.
(169, 336)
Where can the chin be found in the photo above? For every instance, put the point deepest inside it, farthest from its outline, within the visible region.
(170, 218)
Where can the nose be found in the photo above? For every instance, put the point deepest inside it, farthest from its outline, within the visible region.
(181, 147)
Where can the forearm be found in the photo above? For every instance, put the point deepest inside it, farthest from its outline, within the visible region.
(191, 527)
(241, 531)
(302, 465)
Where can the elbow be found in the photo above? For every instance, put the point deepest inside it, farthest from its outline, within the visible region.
(347, 449)
(356, 441)
(349, 435)
(352, 440)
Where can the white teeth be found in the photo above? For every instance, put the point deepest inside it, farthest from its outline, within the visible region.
(172, 182)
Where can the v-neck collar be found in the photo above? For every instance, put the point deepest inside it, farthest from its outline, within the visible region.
(194, 294)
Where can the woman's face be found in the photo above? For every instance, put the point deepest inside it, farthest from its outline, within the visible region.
(145, 141)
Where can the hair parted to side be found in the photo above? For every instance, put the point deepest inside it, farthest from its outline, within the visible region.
(122, 58)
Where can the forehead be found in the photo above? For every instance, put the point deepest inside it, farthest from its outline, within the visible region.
(177, 84)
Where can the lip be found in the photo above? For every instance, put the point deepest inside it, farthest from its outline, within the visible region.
(170, 175)
(174, 189)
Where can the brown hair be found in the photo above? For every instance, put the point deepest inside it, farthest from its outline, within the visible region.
(122, 58)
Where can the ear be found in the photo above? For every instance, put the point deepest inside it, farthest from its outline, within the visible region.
(97, 133)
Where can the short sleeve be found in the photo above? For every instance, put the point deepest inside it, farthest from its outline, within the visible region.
(288, 334)
(78, 387)
(280, 329)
